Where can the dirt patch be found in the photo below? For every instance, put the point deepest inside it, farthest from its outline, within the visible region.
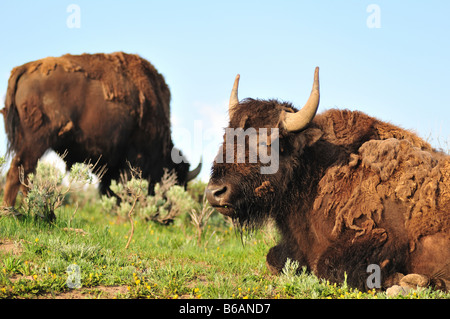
(10, 247)
(99, 292)
(16, 278)
(198, 280)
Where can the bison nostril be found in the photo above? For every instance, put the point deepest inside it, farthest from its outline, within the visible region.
(219, 192)
(216, 194)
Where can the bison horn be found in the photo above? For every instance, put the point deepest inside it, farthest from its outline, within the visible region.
(193, 174)
(234, 101)
(299, 120)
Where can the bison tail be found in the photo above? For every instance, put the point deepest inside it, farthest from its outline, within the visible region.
(10, 113)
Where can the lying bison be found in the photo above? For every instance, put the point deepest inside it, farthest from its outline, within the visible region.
(108, 108)
(350, 193)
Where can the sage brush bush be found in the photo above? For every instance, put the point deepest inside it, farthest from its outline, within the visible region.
(168, 202)
(47, 188)
(200, 217)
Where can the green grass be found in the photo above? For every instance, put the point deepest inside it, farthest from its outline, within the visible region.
(160, 262)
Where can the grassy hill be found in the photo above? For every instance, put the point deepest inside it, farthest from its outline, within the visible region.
(93, 249)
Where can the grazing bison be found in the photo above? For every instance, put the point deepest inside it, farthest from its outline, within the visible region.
(351, 194)
(108, 108)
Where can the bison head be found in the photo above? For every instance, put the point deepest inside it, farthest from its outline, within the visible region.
(259, 161)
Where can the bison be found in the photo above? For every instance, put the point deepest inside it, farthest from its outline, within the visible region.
(351, 194)
(108, 108)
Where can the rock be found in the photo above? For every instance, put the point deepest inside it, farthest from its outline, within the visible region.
(397, 290)
(414, 281)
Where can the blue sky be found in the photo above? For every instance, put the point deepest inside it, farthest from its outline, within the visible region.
(399, 72)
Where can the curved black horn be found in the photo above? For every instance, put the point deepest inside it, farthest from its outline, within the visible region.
(193, 174)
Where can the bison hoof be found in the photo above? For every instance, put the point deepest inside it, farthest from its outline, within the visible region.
(273, 270)
(276, 259)
(414, 281)
(407, 283)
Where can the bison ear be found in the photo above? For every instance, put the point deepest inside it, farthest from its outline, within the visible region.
(308, 137)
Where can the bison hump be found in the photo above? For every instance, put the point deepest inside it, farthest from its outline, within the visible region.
(124, 77)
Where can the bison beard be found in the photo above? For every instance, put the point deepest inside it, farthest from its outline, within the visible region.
(350, 191)
(251, 214)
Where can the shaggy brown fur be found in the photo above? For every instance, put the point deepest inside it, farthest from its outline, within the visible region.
(113, 107)
(392, 169)
(124, 77)
(350, 191)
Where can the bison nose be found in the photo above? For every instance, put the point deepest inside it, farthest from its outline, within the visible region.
(217, 194)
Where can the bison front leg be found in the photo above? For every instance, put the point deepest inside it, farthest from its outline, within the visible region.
(431, 259)
(13, 184)
(349, 258)
(278, 255)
